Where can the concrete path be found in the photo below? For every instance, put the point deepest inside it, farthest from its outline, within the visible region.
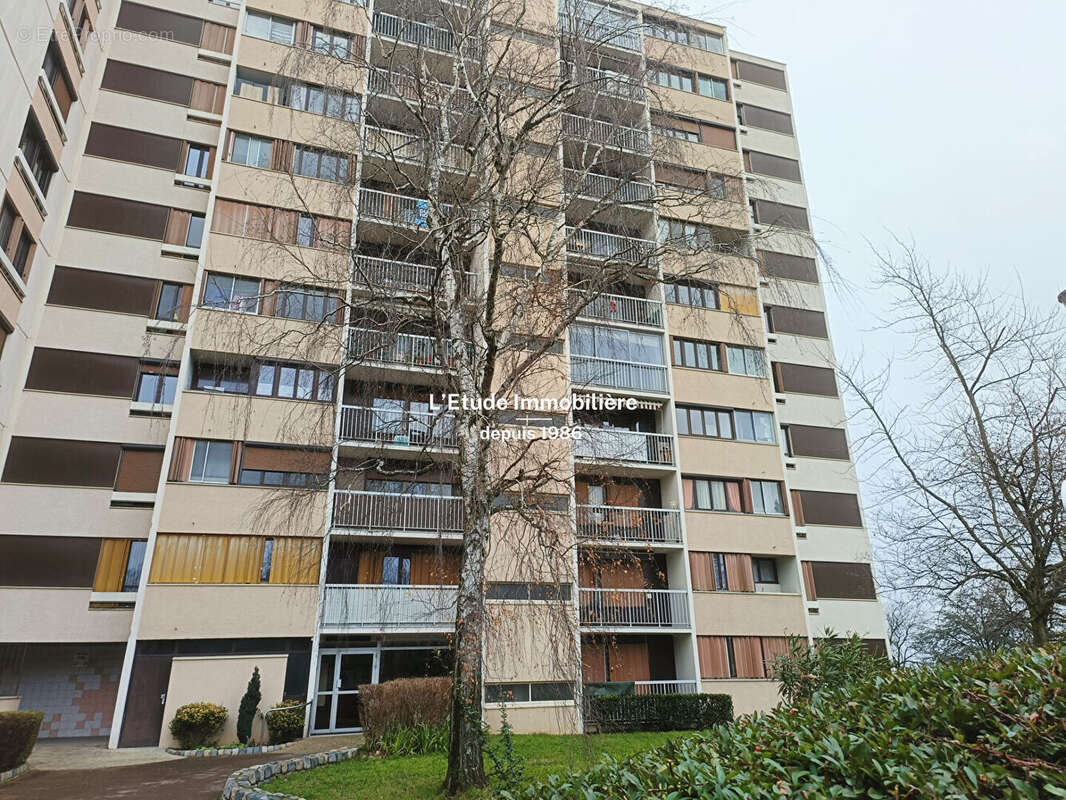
(91, 753)
(173, 779)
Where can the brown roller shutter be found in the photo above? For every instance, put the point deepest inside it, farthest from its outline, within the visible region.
(830, 508)
(774, 166)
(181, 458)
(61, 462)
(135, 147)
(843, 580)
(797, 507)
(139, 470)
(177, 231)
(68, 561)
(738, 572)
(78, 372)
(808, 581)
(757, 73)
(714, 656)
(207, 96)
(63, 92)
(803, 379)
(102, 291)
(747, 655)
(818, 442)
(115, 215)
(111, 566)
(765, 118)
(218, 38)
(677, 175)
(781, 215)
(285, 459)
(159, 23)
(789, 267)
(147, 82)
(718, 136)
(702, 568)
(798, 321)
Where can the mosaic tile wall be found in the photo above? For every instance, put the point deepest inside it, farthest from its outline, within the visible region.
(74, 685)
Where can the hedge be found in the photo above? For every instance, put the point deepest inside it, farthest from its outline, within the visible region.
(287, 725)
(404, 703)
(659, 712)
(994, 728)
(18, 735)
(197, 724)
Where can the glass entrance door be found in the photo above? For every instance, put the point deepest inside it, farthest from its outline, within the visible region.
(340, 673)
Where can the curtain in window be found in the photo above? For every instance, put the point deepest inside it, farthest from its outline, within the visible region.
(177, 227)
(738, 572)
(732, 491)
(747, 654)
(714, 656)
(702, 567)
(181, 459)
(229, 217)
(772, 647)
(111, 565)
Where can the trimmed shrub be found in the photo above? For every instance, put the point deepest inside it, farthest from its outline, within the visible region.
(249, 703)
(286, 726)
(829, 663)
(990, 728)
(659, 712)
(18, 735)
(404, 703)
(197, 724)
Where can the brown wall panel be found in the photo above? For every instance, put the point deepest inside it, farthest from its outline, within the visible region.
(830, 508)
(757, 73)
(135, 147)
(115, 215)
(803, 379)
(139, 470)
(818, 442)
(101, 291)
(159, 23)
(61, 462)
(79, 372)
(799, 321)
(147, 82)
(775, 166)
(843, 580)
(781, 215)
(48, 560)
(789, 267)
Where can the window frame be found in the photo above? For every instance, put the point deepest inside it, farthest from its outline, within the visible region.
(208, 445)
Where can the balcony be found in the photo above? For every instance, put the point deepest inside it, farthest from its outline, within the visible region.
(609, 374)
(389, 607)
(602, 24)
(385, 426)
(606, 188)
(378, 272)
(596, 131)
(619, 444)
(600, 245)
(609, 82)
(620, 308)
(629, 525)
(419, 34)
(398, 513)
(396, 209)
(402, 146)
(406, 349)
(634, 608)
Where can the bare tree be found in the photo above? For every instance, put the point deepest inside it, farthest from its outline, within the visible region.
(971, 467)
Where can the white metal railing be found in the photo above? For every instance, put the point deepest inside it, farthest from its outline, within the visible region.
(666, 687)
(371, 271)
(397, 513)
(601, 245)
(389, 606)
(591, 371)
(602, 24)
(620, 308)
(634, 608)
(397, 426)
(629, 524)
(404, 146)
(606, 187)
(614, 83)
(398, 209)
(618, 444)
(598, 131)
(417, 33)
(410, 349)
(388, 83)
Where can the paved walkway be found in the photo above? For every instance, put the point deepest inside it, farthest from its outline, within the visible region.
(173, 779)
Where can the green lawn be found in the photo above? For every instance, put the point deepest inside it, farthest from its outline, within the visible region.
(416, 777)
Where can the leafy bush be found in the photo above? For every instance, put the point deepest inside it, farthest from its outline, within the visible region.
(18, 735)
(249, 704)
(991, 729)
(197, 724)
(404, 703)
(413, 740)
(659, 712)
(830, 663)
(288, 725)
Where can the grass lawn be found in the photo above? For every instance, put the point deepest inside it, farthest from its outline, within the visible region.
(423, 776)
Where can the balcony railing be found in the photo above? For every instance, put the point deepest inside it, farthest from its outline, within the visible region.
(601, 245)
(370, 271)
(609, 374)
(655, 687)
(396, 426)
(389, 83)
(399, 348)
(397, 513)
(389, 606)
(602, 24)
(634, 608)
(618, 444)
(597, 131)
(416, 33)
(620, 308)
(629, 524)
(398, 209)
(606, 187)
(403, 146)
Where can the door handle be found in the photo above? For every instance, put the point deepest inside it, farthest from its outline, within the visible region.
(162, 698)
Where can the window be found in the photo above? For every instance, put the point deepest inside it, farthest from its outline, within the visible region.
(528, 591)
(317, 100)
(305, 231)
(267, 561)
(692, 293)
(195, 235)
(746, 361)
(15, 241)
(246, 86)
(685, 234)
(313, 163)
(211, 462)
(766, 497)
(35, 151)
(168, 306)
(218, 378)
(271, 477)
(721, 574)
(274, 29)
(705, 494)
(314, 305)
(764, 570)
(197, 161)
(331, 43)
(528, 692)
(62, 89)
(684, 134)
(156, 388)
(718, 88)
(616, 344)
(294, 381)
(131, 576)
(716, 187)
(252, 151)
(231, 293)
(409, 487)
(396, 571)
(674, 32)
(714, 422)
(754, 426)
(697, 355)
(672, 78)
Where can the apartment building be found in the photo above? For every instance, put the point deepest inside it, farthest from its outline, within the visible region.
(155, 355)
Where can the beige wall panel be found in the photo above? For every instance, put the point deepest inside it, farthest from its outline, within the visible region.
(213, 12)
(723, 268)
(810, 409)
(310, 67)
(68, 511)
(748, 695)
(287, 191)
(105, 332)
(183, 611)
(720, 532)
(824, 474)
(844, 617)
(251, 334)
(749, 614)
(715, 326)
(686, 57)
(48, 125)
(22, 199)
(148, 184)
(348, 17)
(530, 642)
(695, 105)
(222, 680)
(10, 303)
(278, 122)
(122, 254)
(535, 718)
(697, 155)
(722, 213)
(77, 416)
(702, 455)
(289, 263)
(801, 350)
(779, 190)
(153, 116)
(797, 294)
(519, 552)
(731, 391)
(59, 615)
(766, 141)
(210, 415)
(207, 508)
(760, 95)
(171, 56)
(830, 543)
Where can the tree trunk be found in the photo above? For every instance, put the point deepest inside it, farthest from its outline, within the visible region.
(1039, 624)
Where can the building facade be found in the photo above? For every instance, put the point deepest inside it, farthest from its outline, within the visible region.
(142, 564)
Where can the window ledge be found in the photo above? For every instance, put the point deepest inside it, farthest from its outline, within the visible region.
(112, 597)
(801, 532)
(204, 116)
(139, 407)
(12, 275)
(178, 250)
(75, 45)
(214, 55)
(192, 181)
(53, 105)
(771, 338)
(27, 175)
(140, 498)
(167, 326)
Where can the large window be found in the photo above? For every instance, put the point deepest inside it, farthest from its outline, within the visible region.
(318, 100)
(698, 355)
(749, 426)
(718, 88)
(682, 79)
(35, 151)
(314, 163)
(252, 151)
(221, 378)
(708, 494)
(168, 306)
(766, 497)
(274, 29)
(675, 32)
(156, 388)
(764, 570)
(331, 43)
(211, 462)
(746, 361)
(197, 161)
(231, 293)
(685, 234)
(294, 381)
(299, 302)
(692, 293)
(616, 344)
(528, 692)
